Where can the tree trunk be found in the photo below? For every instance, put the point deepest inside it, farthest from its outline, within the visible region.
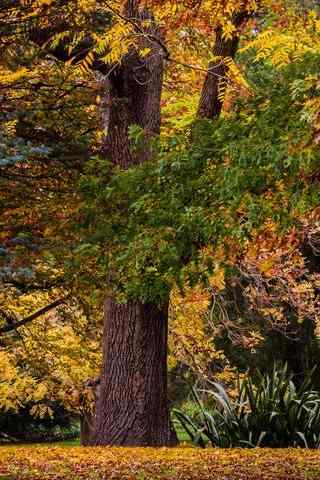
(86, 423)
(210, 104)
(133, 407)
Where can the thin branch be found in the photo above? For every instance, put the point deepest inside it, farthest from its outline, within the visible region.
(167, 54)
(208, 71)
(33, 316)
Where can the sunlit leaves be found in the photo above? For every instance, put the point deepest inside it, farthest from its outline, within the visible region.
(47, 462)
(289, 41)
(47, 360)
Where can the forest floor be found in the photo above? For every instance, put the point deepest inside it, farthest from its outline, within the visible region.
(183, 463)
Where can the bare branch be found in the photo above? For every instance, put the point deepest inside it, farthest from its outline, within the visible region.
(13, 326)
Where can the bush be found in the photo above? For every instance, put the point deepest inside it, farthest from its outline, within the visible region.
(22, 427)
(271, 413)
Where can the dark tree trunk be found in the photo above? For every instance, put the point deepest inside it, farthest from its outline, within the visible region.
(210, 104)
(87, 413)
(133, 407)
(86, 424)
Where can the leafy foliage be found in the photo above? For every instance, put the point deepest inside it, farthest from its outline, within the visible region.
(207, 208)
(47, 361)
(191, 344)
(236, 175)
(24, 427)
(270, 413)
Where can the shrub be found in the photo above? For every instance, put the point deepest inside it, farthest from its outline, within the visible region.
(22, 427)
(273, 412)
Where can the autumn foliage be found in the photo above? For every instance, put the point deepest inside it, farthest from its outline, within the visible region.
(61, 463)
(216, 216)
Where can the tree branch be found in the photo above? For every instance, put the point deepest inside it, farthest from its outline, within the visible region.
(210, 104)
(33, 316)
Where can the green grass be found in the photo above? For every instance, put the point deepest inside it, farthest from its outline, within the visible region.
(75, 442)
(182, 436)
(71, 443)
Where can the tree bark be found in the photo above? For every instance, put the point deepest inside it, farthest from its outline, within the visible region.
(132, 408)
(86, 422)
(210, 104)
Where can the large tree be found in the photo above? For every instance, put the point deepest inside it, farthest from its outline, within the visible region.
(132, 408)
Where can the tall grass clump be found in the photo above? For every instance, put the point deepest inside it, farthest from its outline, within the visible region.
(270, 412)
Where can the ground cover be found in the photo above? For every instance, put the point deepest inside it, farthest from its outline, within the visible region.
(77, 463)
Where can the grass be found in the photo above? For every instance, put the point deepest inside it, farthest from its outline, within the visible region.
(182, 436)
(68, 443)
